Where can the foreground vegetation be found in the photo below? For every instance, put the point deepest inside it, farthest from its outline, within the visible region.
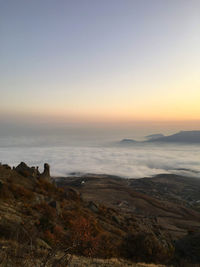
(43, 225)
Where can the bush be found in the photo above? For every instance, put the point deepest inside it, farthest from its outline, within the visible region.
(5, 192)
(45, 187)
(46, 210)
(84, 235)
(148, 248)
(188, 248)
(21, 192)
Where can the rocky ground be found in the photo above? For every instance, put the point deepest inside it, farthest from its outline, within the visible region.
(43, 221)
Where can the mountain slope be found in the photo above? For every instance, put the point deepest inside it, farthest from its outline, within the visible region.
(42, 224)
(181, 137)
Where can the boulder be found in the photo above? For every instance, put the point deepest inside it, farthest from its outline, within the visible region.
(93, 207)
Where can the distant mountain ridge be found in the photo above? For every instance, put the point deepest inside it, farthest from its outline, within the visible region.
(154, 136)
(180, 137)
(187, 137)
(127, 141)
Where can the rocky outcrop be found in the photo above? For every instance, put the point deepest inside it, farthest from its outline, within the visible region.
(26, 171)
(33, 172)
(46, 173)
(6, 166)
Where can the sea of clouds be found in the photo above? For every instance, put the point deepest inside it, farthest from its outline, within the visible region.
(136, 161)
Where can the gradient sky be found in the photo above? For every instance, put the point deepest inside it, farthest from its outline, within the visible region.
(100, 60)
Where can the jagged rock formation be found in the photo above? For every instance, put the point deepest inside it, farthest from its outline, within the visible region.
(26, 171)
(46, 173)
(33, 172)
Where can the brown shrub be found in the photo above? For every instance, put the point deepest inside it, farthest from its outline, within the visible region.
(147, 247)
(46, 210)
(109, 246)
(58, 232)
(49, 237)
(21, 192)
(85, 236)
(45, 187)
(5, 192)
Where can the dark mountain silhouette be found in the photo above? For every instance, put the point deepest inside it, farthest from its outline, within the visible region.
(127, 141)
(154, 136)
(181, 137)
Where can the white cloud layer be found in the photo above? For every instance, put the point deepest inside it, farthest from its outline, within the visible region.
(132, 162)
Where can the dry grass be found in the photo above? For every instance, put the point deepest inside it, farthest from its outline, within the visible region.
(86, 262)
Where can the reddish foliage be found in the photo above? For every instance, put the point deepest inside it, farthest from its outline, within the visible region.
(85, 236)
(21, 192)
(58, 232)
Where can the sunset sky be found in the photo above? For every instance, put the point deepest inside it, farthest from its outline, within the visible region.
(100, 60)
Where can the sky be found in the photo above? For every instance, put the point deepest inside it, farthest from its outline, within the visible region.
(102, 62)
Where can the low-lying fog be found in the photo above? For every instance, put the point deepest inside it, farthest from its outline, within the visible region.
(135, 161)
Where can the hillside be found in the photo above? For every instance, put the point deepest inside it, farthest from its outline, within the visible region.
(181, 137)
(44, 224)
(187, 137)
(127, 141)
(154, 136)
(166, 202)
